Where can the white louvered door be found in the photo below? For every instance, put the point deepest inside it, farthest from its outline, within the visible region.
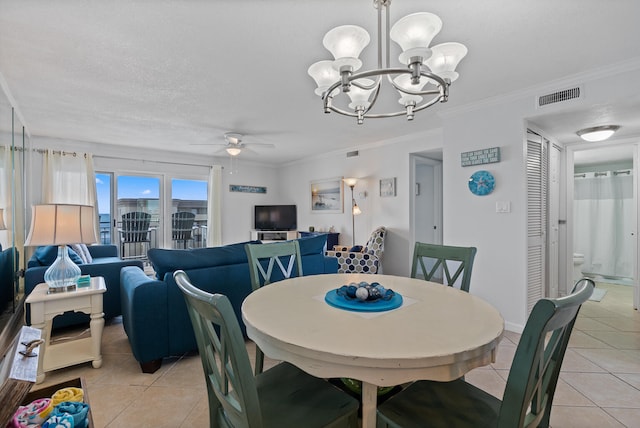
(537, 184)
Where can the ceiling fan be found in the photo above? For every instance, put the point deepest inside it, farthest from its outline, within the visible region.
(234, 144)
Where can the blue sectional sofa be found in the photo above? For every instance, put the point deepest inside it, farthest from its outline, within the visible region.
(154, 313)
(105, 263)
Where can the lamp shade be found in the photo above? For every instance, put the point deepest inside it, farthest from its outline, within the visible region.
(445, 58)
(360, 97)
(324, 75)
(349, 181)
(345, 43)
(404, 81)
(414, 33)
(2, 224)
(61, 224)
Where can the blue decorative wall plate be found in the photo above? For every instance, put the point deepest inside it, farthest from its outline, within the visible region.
(481, 183)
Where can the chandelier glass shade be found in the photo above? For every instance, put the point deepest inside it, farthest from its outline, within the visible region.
(422, 79)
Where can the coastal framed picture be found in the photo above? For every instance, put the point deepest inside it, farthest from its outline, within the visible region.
(388, 187)
(326, 196)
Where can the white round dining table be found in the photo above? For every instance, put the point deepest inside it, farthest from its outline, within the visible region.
(439, 333)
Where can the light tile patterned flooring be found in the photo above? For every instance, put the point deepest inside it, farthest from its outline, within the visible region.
(599, 385)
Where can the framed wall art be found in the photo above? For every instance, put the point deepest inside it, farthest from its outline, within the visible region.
(388, 187)
(247, 189)
(326, 196)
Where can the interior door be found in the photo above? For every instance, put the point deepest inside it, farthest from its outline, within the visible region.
(427, 200)
(553, 241)
(537, 185)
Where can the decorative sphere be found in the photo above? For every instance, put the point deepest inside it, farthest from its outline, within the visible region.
(362, 293)
(363, 284)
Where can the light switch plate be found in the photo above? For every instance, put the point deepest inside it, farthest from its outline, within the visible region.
(503, 207)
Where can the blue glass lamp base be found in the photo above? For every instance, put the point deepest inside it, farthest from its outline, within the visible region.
(63, 274)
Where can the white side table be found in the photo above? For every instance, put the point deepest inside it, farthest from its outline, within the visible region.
(44, 307)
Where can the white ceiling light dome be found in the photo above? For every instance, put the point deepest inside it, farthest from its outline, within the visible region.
(597, 133)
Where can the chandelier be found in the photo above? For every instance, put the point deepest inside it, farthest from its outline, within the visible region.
(423, 80)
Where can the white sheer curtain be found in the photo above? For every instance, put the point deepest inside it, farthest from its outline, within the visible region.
(214, 207)
(69, 178)
(603, 210)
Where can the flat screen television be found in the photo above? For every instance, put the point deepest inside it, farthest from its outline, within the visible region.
(275, 217)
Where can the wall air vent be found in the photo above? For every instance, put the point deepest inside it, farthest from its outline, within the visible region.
(559, 96)
(352, 154)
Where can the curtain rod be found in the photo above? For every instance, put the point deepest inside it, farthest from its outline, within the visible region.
(41, 151)
(63, 153)
(155, 161)
(628, 172)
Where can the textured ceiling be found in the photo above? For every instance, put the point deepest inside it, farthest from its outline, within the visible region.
(168, 74)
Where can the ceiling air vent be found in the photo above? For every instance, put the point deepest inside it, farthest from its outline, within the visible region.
(352, 154)
(559, 96)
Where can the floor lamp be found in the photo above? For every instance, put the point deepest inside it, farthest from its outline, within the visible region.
(355, 209)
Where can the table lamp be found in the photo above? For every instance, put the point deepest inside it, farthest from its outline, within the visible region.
(62, 224)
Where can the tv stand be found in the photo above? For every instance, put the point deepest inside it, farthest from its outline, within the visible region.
(273, 235)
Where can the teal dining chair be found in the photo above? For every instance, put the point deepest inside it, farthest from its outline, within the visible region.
(283, 396)
(272, 255)
(443, 257)
(530, 387)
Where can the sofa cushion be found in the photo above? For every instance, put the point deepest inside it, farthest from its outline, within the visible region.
(312, 245)
(46, 255)
(166, 261)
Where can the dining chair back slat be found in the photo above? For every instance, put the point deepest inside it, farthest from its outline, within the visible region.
(273, 254)
(443, 258)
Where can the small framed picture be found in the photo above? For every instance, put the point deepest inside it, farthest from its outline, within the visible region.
(388, 187)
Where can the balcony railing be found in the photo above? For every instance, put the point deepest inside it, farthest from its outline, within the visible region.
(138, 250)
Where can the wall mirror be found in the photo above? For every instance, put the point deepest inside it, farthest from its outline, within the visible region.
(14, 152)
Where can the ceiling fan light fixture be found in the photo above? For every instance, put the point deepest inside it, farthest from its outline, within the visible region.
(233, 151)
(597, 133)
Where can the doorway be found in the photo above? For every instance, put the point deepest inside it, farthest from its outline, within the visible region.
(426, 197)
(602, 195)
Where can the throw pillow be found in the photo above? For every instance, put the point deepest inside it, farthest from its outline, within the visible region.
(46, 255)
(78, 250)
(87, 254)
(312, 244)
